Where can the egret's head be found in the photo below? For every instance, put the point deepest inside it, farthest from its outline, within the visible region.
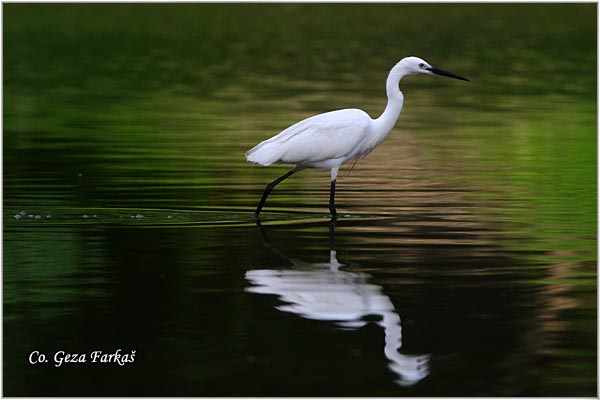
(416, 65)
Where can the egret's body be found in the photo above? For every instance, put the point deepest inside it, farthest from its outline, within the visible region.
(326, 141)
(322, 141)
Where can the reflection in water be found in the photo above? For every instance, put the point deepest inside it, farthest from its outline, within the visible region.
(328, 294)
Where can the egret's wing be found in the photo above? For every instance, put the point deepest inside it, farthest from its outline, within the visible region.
(326, 136)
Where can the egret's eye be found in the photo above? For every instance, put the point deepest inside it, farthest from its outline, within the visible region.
(421, 65)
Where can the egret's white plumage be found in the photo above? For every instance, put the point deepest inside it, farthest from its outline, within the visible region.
(328, 140)
(321, 141)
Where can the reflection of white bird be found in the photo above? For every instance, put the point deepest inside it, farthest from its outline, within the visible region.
(327, 294)
(326, 141)
(339, 296)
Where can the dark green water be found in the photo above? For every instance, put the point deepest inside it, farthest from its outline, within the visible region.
(468, 239)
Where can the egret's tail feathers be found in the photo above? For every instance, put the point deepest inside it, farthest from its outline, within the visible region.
(263, 154)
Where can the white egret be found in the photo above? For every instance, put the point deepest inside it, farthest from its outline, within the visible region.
(326, 141)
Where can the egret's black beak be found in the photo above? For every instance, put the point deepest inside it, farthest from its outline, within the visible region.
(438, 71)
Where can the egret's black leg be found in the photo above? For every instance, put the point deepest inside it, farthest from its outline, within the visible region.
(270, 187)
(332, 209)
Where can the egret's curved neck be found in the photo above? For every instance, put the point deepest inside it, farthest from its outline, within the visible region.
(387, 120)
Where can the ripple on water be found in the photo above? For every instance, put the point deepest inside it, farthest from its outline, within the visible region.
(158, 217)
